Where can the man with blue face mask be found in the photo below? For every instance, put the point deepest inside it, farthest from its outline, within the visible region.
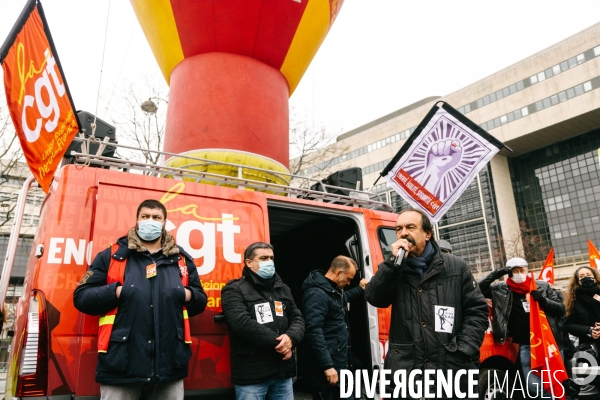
(510, 314)
(264, 325)
(145, 288)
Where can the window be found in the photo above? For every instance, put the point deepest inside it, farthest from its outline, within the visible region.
(541, 77)
(533, 79)
(387, 236)
(556, 69)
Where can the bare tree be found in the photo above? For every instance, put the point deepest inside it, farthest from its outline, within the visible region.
(10, 155)
(140, 116)
(313, 150)
(527, 244)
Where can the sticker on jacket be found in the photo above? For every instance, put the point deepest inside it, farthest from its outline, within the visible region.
(444, 319)
(279, 309)
(263, 313)
(526, 306)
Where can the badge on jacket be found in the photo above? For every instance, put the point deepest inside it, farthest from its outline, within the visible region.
(263, 313)
(444, 319)
(151, 271)
(279, 309)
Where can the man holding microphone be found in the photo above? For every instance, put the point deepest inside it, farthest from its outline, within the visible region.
(439, 315)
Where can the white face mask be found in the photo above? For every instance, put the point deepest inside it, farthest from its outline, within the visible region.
(519, 278)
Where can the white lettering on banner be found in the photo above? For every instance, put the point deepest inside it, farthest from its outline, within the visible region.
(80, 253)
(73, 251)
(54, 250)
(208, 251)
(67, 250)
(228, 228)
(45, 110)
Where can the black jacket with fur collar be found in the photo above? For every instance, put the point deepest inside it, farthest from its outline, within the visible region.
(147, 338)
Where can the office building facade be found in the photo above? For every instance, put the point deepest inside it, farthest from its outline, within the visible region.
(546, 192)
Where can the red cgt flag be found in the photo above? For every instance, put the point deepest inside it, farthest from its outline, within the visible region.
(37, 95)
(594, 255)
(546, 361)
(547, 272)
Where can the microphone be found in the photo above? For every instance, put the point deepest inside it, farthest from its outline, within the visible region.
(400, 256)
(401, 251)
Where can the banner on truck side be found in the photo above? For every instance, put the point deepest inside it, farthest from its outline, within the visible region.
(439, 160)
(37, 95)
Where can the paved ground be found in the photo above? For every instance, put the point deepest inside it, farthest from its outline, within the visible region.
(302, 395)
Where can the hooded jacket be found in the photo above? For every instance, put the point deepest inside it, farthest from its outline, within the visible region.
(501, 296)
(147, 341)
(327, 337)
(438, 322)
(255, 320)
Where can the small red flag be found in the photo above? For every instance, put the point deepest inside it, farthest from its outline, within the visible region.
(546, 361)
(594, 255)
(547, 272)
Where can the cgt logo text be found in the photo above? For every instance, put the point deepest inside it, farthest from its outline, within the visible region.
(428, 383)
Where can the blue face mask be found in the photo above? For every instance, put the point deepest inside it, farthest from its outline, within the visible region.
(149, 230)
(266, 269)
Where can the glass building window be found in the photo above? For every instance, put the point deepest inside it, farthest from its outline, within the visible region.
(557, 193)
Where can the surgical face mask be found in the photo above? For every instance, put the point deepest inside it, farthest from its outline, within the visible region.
(266, 269)
(587, 282)
(149, 230)
(519, 278)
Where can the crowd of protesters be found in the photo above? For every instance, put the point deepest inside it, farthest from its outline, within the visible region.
(146, 287)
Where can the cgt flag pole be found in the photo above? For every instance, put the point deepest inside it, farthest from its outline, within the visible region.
(439, 160)
(37, 94)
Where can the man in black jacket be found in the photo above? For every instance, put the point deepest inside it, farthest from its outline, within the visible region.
(327, 339)
(439, 315)
(510, 313)
(144, 348)
(264, 327)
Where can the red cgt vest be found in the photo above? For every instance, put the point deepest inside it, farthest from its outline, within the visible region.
(116, 273)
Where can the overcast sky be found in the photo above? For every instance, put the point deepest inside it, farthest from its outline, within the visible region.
(380, 55)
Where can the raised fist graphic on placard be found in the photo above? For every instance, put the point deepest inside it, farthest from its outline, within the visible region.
(442, 156)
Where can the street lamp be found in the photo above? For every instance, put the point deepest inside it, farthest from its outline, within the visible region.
(149, 107)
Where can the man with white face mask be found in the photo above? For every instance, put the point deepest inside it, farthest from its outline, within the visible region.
(510, 313)
(264, 328)
(145, 288)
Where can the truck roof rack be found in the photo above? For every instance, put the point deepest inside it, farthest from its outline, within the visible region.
(356, 198)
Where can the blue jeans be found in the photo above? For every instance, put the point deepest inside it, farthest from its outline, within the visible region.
(279, 389)
(531, 382)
